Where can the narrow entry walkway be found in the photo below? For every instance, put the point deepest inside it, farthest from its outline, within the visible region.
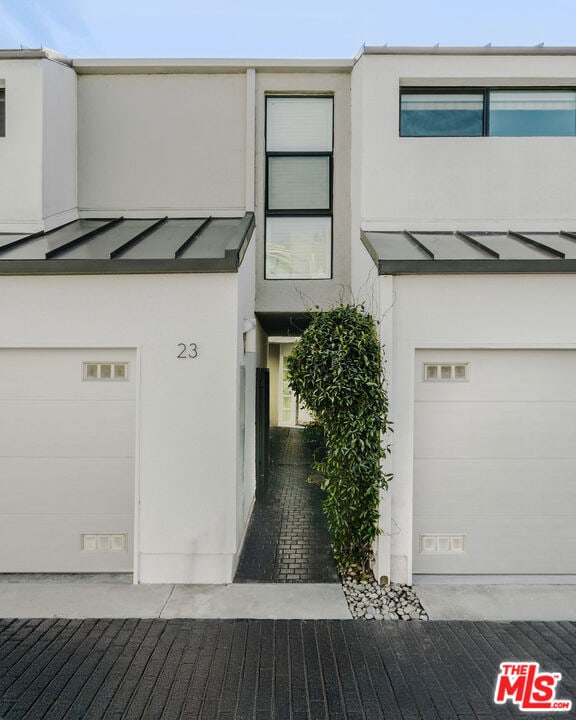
(288, 539)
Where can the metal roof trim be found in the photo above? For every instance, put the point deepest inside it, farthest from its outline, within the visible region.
(117, 267)
(55, 264)
(468, 267)
(460, 50)
(554, 263)
(247, 229)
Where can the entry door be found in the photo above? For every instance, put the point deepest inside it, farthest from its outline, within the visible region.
(287, 399)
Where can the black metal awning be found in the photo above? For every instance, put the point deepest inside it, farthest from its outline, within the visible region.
(121, 245)
(431, 251)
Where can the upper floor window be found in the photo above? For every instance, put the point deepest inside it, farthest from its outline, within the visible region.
(2, 112)
(299, 145)
(531, 113)
(430, 112)
(441, 114)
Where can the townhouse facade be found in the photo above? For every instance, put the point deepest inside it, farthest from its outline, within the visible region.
(167, 225)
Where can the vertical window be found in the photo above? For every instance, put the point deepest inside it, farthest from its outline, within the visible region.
(2, 112)
(299, 148)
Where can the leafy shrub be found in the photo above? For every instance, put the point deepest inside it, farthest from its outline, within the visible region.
(336, 368)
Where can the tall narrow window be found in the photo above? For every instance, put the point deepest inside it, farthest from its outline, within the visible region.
(2, 112)
(299, 147)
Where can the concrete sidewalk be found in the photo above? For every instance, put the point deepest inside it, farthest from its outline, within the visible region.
(89, 598)
(119, 600)
(498, 602)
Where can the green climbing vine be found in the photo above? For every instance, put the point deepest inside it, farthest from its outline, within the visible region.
(336, 369)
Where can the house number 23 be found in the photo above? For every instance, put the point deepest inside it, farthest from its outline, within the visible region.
(188, 351)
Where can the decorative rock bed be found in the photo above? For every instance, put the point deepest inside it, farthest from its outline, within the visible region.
(369, 601)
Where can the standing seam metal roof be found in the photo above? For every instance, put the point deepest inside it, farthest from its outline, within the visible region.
(120, 245)
(415, 252)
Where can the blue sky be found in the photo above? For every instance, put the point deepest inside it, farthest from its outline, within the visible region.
(293, 29)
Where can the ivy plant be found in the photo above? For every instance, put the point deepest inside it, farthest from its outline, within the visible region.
(336, 369)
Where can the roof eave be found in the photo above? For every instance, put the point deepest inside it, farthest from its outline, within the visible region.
(472, 266)
(454, 50)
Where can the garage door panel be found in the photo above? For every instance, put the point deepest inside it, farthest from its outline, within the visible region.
(495, 430)
(66, 485)
(52, 543)
(495, 463)
(495, 487)
(501, 375)
(56, 374)
(66, 428)
(67, 450)
(535, 545)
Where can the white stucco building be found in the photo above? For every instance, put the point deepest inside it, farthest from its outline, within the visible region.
(166, 224)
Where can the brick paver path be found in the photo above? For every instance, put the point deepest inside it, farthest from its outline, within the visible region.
(288, 540)
(270, 670)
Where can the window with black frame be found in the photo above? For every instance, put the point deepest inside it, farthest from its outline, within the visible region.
(2, 112)
(299, 152)
(441, 113)
(495, 112)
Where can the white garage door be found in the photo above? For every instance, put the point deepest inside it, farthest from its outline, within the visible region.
(495, 462)
(66, 460)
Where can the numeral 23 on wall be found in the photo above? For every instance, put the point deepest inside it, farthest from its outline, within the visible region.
(187, 351)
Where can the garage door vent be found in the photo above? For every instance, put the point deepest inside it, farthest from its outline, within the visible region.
(442, 544)
(445, 372)
(104, 543)
(107, 371)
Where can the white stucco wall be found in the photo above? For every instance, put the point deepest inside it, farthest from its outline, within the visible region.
(466, 183)
(363, 270)
(162, 143)
(21, 148)
(246, 401)
(459, 311)
(59, 147)
(186, 445)
(38, 153)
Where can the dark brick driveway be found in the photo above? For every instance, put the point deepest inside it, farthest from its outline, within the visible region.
(287, 539)
(270, 670)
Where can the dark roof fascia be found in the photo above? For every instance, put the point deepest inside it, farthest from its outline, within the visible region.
(226, 264)
(368, 245)
(229, 263)
(467, 267)
(246, 228)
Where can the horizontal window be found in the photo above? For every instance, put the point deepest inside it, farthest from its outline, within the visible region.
(299, 183)
(2, 112)
(298, 247)
(299, 124)
(437, 114)
(529, 114)
(483, 111)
